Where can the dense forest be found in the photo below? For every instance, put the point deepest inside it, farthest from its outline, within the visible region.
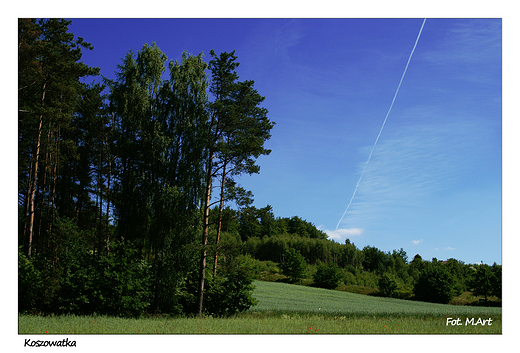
(128, 201)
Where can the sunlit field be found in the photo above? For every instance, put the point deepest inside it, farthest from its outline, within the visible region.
(292, 309)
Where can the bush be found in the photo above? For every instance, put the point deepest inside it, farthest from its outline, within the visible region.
(67, 270)
(229, 293)
(497, 280)
(367, 279)
(29, 284)
(75, 269)
(403, 292)
(435, 284)
(349, 278)
(294, 266)
(114, 283)
(123, 285)
(485, 282)
(73, 279)
(387, 285)
(236, 286)
(327, 275)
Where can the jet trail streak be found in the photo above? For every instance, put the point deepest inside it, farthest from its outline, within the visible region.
(384, 122)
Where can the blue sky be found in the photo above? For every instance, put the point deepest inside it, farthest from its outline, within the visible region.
(433, 184)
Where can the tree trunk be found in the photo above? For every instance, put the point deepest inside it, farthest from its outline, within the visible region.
(33, 180)
(205, 234)
(54, 177)
(221, 207)
(100, 193)
(108, 201)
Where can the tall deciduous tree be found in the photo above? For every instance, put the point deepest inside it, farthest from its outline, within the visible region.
(180, 168)
(133, 100)
(161, 147)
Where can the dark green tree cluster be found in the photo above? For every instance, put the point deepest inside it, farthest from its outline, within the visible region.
(328, 275)
(487, 281)
(387, 285)
(267, 238)
(116, 178)
(294, 265)
(262, 223)
(435, 283)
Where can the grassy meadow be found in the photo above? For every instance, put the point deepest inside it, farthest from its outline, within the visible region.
(291, 309)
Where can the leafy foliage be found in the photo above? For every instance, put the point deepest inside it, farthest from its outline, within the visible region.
(497, 280)
(487, 282)
(226, 294)
(435, 284)
(294, 265)
(328, 275)
(123, 284)
(374, 259)
(29, 284)
(387, 285)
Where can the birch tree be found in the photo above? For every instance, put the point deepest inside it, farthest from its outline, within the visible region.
(161, 147)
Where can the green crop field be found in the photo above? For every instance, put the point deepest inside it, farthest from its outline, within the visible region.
(282, 297)
(292, 309)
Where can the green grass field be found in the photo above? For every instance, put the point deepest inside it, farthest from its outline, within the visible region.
(291, 309)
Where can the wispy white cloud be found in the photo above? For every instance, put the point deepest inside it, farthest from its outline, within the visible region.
(341, 234)
(412, 163)
(271, 42)
(449, 248)
(468, 42)
(417, 242)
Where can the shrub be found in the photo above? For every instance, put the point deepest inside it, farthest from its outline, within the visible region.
(349, 278)
(294, 265)
(226, 294)
(497, 280)
(236, 286)
(367, 279)
(123, 286)
(435, 284)
(484, 282)
(387, 285)
(327, 275)
(29, 284)
(403, 292)
(76, 272)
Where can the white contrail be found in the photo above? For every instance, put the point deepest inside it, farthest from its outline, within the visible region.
(384, 122)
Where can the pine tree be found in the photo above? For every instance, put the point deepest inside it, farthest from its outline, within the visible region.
(49, 73)
(238, 128)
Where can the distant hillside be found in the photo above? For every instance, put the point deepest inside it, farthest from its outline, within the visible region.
(283, 297)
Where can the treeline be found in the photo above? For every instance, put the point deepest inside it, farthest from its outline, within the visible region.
(299, 250)
(117, 177)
